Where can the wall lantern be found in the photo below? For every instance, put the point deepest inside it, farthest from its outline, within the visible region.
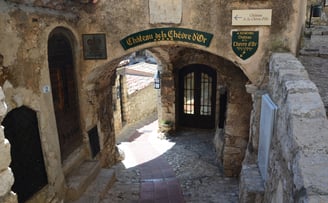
(157, 80)
(315, 11)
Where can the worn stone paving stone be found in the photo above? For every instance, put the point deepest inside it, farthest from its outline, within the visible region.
(126, 188)
(318, 72)
(192, 157)
(200, 175)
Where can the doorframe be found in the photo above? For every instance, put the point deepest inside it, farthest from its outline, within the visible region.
(71, 38)
(200, 68)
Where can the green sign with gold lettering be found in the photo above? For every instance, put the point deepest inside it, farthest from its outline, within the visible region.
(245, 43)
(166, 34)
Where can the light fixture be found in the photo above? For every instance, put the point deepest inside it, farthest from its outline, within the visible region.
(157, 80)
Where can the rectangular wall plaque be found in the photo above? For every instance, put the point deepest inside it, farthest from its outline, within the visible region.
(94, 46)
(252, 17)
(267, 120)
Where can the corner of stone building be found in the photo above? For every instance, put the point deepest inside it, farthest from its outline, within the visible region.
(6, 175)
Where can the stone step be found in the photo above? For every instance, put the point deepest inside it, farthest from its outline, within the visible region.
(251, 184)
(99, 187)
(80, 178)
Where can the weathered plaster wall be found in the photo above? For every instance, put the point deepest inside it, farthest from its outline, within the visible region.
(24, 36)
(298, 152)
(119, 19)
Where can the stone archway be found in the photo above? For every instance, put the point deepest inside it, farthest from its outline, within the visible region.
(22, 131)
(233, 104)
(64, 91)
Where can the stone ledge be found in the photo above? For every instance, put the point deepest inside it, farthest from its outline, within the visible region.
(6, 181)
(251, 185)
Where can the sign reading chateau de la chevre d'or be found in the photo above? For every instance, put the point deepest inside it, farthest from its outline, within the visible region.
(167, 34)
(245, 43)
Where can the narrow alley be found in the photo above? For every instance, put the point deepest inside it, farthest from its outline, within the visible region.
(178, 168)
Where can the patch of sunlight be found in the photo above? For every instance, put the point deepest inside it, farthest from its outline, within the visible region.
(146, 147)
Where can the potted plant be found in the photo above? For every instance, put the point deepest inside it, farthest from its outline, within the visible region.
(166, 126)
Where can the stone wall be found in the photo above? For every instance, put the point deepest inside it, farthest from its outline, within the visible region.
(298, 154)
(6, 175)
(135, 106)
(141, 104)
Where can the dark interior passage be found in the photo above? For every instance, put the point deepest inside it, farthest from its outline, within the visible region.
(22, 131)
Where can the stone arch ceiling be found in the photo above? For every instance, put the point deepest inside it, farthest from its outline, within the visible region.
(175, 55)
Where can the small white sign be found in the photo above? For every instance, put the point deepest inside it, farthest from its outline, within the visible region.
(252, 17)
(46, 89)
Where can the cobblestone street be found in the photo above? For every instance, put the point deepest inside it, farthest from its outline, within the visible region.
(314, 57)
(190, 154)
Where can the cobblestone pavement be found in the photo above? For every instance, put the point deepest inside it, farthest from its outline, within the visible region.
(191, 155)
(201, 177)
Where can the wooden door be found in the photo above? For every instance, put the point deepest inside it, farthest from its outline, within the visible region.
(197, 90)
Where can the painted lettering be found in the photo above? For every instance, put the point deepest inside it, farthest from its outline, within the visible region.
(240, 44)
(167, 34)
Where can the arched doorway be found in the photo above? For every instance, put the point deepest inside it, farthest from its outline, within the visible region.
(64, 92)
(197, 93)
(22, 131)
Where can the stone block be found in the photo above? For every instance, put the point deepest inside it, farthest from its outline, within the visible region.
(300, 86)
(251, 185)
(2, 135)
(5, 157)
(323, 51)
(311, 171)
(308, 105)
(9, 198)
(6, 181)
(318, 199)
(310, 139)
(169, 11)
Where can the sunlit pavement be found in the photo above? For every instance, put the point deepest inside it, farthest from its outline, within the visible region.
(181, 168)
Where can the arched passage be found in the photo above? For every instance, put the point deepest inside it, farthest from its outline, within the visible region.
(230, 104)
(64, 92)
(22, 131)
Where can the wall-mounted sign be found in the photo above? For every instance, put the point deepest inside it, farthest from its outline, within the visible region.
(252, 17)
(167, 34)
(46, 89)
(94, 46)
(245, 43)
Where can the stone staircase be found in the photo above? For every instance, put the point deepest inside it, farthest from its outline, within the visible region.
(87, 181)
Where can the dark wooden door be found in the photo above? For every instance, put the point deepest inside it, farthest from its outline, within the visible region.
(64, 93)
(197, 90)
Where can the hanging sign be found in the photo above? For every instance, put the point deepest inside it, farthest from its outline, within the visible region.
(245, 43)
(167, 34)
